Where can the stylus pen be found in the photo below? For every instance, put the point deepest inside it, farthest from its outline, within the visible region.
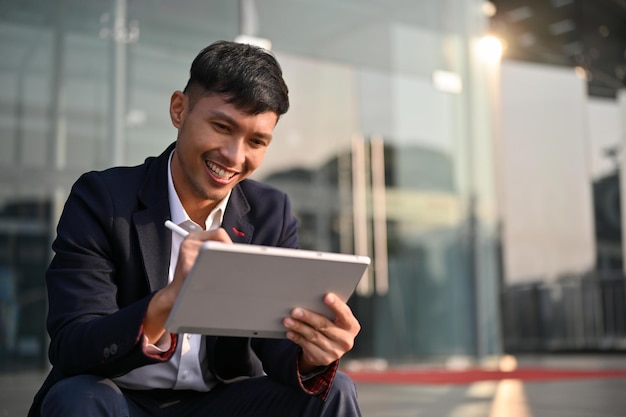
(176, 228)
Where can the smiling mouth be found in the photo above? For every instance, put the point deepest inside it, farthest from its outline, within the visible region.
(220, 173)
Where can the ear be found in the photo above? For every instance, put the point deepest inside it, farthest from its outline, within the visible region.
(178, 108)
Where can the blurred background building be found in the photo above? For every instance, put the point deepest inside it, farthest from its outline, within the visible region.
(486, 191)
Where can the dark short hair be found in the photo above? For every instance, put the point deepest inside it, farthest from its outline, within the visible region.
(249, 77)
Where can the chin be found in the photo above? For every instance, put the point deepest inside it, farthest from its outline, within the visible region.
(216, 195)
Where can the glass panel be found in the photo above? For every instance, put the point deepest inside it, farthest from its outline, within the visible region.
(25, 94)
(363, 98)
(25, 210)
(389, 54)
(24, 255)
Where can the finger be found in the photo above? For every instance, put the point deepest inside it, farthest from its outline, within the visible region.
(313, 330)
(188, 252)
(312, 356)
(310, 324)
(190, 247)
(336, 304)
(219, 235)
(344, 317)
(318, 349)
(321, 340)
(311, 340)
(316, 352)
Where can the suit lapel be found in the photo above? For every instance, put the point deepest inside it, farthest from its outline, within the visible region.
(154, 242)
(235, 221)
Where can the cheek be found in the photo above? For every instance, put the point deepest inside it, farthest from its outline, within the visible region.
(256, 159)
(194, 132)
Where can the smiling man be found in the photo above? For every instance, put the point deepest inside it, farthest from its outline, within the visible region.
(117, 270)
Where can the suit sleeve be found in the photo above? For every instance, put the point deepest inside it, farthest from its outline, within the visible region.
(89, 331)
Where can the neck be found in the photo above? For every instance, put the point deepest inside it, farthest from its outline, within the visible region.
(199, 214)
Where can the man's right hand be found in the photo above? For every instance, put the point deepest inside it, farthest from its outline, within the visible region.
(161, 304)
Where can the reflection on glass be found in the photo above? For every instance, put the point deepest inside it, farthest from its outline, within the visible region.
(24, 249)
(428, 290)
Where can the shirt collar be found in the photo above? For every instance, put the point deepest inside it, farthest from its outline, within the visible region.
(177, 211)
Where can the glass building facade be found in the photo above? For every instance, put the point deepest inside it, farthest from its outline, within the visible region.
(387, 149)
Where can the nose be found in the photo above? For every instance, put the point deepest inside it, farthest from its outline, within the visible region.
(233, 151)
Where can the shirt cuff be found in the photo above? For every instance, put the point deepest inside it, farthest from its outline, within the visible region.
(318, 383)
(306, 377)
(160, 347)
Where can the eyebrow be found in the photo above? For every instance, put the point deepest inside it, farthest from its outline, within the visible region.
(229, 119)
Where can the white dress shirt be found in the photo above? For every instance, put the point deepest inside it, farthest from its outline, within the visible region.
(184, 369)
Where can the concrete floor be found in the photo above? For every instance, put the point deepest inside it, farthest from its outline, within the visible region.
(506, 398)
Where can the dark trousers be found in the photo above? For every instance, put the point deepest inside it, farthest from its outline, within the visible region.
(93, 396)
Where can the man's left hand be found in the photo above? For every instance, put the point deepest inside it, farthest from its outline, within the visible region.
(323, 341)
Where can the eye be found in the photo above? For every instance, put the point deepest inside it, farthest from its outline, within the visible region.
(256, 142)
(220, 127)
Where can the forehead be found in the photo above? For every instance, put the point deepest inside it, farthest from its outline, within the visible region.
(215, 105)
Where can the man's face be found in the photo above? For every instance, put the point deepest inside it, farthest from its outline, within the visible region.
(218, 146)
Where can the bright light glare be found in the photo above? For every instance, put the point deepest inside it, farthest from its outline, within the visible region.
(447, 81)
(489, 9)
(256, 41)
(490, 48)
(581, 72)
(508, 363)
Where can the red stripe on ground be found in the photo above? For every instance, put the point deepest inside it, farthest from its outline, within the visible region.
(475, 375)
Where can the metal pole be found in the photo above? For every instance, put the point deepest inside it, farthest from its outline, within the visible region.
(118, 90)
(359, 209)
(379, 215)
(58, 99)
(248, 21)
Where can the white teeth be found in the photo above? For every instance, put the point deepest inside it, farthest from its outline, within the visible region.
(219, 172)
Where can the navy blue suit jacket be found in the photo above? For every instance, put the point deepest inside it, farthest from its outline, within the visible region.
(112, 254)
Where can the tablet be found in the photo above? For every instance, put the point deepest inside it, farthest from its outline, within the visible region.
(247, 290)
